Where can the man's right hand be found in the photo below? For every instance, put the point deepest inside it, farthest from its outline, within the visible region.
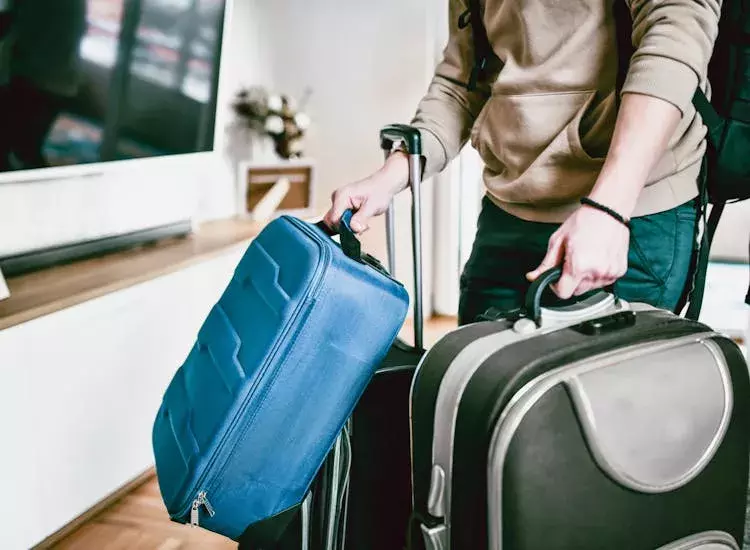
(371, 196)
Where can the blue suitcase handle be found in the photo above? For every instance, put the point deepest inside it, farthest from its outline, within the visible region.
(351, 246)
(349, 242)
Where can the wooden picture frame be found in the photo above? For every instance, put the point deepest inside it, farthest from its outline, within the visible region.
(258, 178)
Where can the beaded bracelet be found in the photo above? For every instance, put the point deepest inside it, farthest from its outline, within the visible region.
(587, 201)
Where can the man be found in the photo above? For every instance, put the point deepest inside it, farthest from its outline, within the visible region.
(546, 120)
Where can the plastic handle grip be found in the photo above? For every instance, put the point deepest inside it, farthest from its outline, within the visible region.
(534, 294)
(349, 242)
(533, 301)
(408, 135)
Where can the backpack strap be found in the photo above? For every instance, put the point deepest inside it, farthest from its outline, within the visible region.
(623, 33)
(482, 47)
(713, 121)
(696, 280)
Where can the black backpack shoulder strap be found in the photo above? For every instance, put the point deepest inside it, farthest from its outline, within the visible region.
(482, 47)
(624, 35)
(713, 121)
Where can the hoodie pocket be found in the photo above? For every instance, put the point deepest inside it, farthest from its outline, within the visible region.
(538, 137)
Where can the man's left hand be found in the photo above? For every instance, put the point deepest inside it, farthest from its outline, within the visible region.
(592, 248)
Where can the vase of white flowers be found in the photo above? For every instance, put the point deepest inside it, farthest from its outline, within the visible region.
(275, 116)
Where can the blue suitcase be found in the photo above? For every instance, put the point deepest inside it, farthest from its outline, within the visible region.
(277, 369)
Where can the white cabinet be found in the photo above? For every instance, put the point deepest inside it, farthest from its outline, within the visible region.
(79, 390)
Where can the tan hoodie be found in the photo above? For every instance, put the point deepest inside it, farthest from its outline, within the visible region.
(543, 119)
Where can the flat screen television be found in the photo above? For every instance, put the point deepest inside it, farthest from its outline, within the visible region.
(84, 83)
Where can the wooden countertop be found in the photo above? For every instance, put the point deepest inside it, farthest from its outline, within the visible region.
(43, 292)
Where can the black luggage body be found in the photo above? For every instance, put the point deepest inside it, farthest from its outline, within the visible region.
(379, 490)
(380, 496)
(629, 430)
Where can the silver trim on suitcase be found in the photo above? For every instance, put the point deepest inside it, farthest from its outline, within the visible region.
(710, 540)
(688, 415)
(458, 376)
(635, 468)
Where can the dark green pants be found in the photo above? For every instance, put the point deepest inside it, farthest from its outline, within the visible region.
(506, 248)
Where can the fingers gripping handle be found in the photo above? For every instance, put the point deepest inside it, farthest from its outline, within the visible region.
(411, 140)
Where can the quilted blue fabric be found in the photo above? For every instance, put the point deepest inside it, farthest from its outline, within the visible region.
(277, 368)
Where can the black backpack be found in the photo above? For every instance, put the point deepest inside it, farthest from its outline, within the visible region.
(725, 174)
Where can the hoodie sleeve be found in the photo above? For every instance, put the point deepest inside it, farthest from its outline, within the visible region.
(673, 41)
(448, 110)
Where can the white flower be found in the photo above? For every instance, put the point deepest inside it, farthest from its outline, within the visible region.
(274, 125)
(302, 121)
(275, 103)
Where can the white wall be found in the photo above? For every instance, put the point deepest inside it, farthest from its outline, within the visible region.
(372, 79)
(245, 62)
(732, 238)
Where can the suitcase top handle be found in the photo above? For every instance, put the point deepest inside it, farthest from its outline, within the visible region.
(349, 242)
(533, 303)
(351, 246)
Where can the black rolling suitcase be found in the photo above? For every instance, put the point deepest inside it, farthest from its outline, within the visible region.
(606, 425)
(379, 490)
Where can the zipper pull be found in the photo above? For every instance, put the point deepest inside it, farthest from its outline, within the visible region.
(200, 500)
(194, 513)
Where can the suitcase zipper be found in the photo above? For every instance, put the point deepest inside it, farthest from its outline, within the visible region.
(200, 500)
(314, 288)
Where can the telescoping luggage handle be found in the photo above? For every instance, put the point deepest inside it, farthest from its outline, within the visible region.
(411, 140)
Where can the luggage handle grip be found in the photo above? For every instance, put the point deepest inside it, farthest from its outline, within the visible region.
(408, 135)
(349, 242)
(411, 140)
(350, 245)
(533, 303)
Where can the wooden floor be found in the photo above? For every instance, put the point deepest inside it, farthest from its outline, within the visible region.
(139, 520)
(433, 329)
